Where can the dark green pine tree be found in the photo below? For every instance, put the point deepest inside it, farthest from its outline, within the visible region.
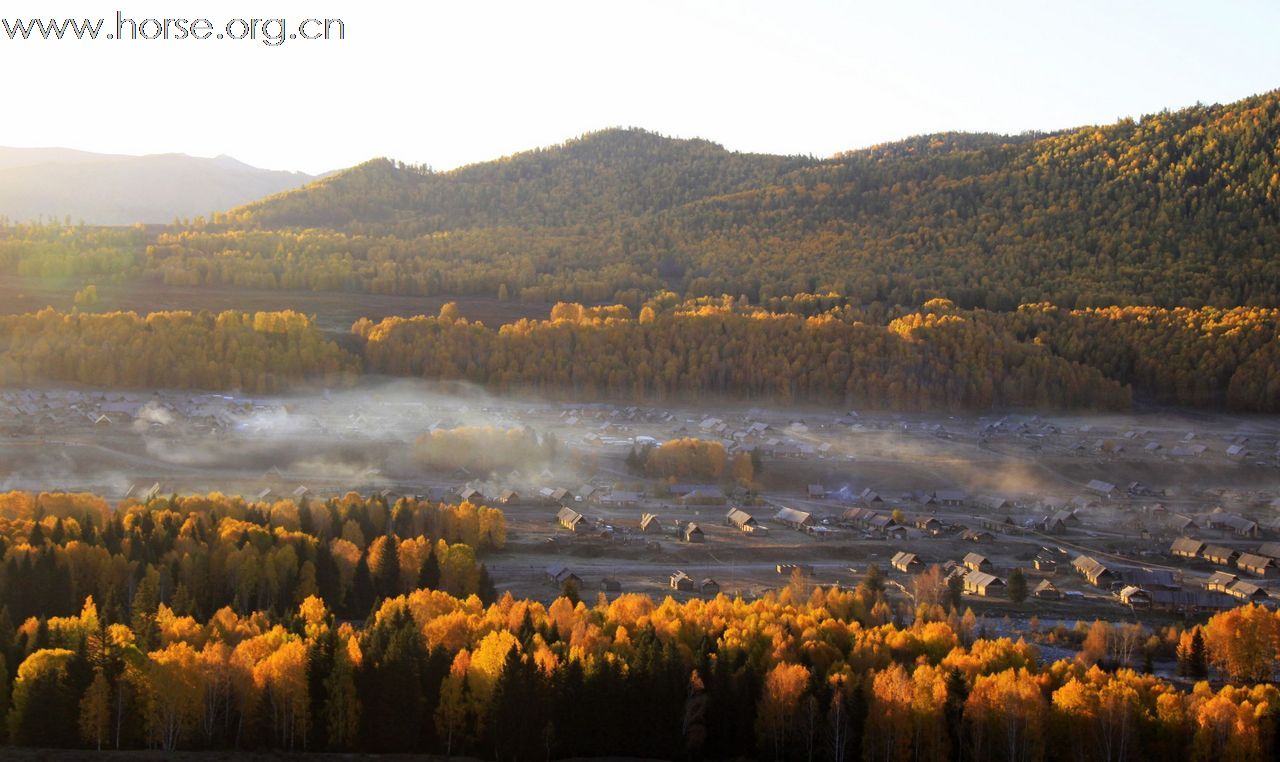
(113, 534)
(391, 687)
(486, 590)
(363, 594)
(8, 641)
(429, 575)
(518, 712)
(874, 579)
(1199, 659)
(433, 672)
(731, 710)
(386, 575)
(569, 692)
(526, 632)
(570, 590)
(320, 656)
(5, 687)
(1017, 586)
(402, 521)
(306, 522)
(328, 578)
(49, 707)
(953, 711)
(955, 592)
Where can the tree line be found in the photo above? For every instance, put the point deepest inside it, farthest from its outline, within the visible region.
(259, 352)
(919, 361)
(936, 357)
(199, 554)
(56, 251)
(1207, 357)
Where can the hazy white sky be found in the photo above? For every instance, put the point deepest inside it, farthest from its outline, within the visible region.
(449, 83)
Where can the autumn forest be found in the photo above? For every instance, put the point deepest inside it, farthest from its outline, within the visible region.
(938, 357)
(1091, 268)
(1113, 268)
(209, 622)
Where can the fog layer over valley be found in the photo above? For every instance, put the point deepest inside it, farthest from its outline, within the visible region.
(369, 438)
(110, 441)
(533, 458)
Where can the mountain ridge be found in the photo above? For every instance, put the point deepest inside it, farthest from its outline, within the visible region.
(115, 189)
(1179, 208)
(1175, 208)
(392, 190)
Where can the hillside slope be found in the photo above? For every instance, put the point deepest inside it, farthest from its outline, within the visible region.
(594, 179)
(1177, 208)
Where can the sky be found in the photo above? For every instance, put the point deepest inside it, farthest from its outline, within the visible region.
(452, 83)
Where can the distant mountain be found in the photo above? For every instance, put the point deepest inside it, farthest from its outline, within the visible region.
(25, 157)
(106, 189)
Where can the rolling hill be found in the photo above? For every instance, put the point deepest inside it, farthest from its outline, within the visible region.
(596, 179)
(1176, 208)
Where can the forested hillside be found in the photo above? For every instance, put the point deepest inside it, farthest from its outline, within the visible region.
(599, 178)
(1178, 208)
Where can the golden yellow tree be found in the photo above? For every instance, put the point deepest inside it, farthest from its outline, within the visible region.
(1242, 642)
(784, 687)
(177, 690)
(95, 711)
